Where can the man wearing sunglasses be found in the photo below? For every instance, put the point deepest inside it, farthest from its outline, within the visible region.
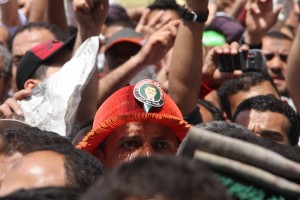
(276, 47)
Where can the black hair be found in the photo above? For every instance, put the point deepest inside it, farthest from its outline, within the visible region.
(266, 103)
(165, 5)
(243, 83)
(82, 168)
(216, 113)
(58, 33)
(28, 139)
(239, 132)
(124, 23)
(117, 13)
(278, 35)
(46, 193)
(166, 177)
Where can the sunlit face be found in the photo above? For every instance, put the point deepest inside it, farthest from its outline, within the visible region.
(137, 139)
(263, 88)
(35, 170)
(23, 42)
(267, 124)
(276, 52)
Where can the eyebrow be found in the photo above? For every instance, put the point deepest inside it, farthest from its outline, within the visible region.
(271, 134)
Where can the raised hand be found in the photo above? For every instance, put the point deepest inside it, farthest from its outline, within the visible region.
(147, 26)
(261, 16)
(211, 75)
(90, 13)
(158, 44)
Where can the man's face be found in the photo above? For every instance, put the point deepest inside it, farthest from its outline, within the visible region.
(35, 170)
(23, 42)
(137, 139)
(120, 53)
(276, 52)
(150, 92)
(267, 124)
(263, 88)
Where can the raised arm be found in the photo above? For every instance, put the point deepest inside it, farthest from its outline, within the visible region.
(90, 16)
(9, 14)
(49, 11)
(293, 70)
(156, 47)
(187, 60)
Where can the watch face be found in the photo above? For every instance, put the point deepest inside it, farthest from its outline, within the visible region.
(149, 93)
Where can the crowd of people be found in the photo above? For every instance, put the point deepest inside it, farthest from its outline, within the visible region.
(193, 99)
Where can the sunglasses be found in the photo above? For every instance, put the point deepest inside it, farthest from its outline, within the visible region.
(270, 56)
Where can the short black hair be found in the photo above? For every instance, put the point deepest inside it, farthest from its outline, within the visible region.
(278, 35)
(58, 33)
(242, 133)
(82, 168)
(46, 193)
(169, 177)
(165, 5)
(216, 113)
(28, 139)
(266, 103)
(243, 83)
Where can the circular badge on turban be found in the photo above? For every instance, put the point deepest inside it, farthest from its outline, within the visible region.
(149, 93)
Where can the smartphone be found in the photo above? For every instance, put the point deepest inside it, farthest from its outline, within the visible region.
(247, 61)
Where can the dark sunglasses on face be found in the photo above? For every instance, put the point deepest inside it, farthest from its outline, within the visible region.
(270, 56)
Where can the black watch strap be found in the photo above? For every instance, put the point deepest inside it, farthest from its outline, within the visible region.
(192, 16)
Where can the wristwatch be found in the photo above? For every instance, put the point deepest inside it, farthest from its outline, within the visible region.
(192, 16)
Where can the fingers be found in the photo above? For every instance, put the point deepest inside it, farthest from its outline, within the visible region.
(158, 21)
(21, 94)
(144, 16)
(84, 5)
(156, 18)
(11, 106)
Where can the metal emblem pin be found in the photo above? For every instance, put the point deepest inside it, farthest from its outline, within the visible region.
(149, 93)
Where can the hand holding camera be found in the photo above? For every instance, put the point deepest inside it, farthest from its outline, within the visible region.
(222, 57)
(247, 61)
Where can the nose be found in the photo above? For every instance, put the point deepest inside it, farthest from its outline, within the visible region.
(146, 150)
(275, 65)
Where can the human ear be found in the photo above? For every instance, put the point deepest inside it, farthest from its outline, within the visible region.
(30, 84)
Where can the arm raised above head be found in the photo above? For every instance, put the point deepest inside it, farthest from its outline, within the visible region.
(293, 70)
(187, 60)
